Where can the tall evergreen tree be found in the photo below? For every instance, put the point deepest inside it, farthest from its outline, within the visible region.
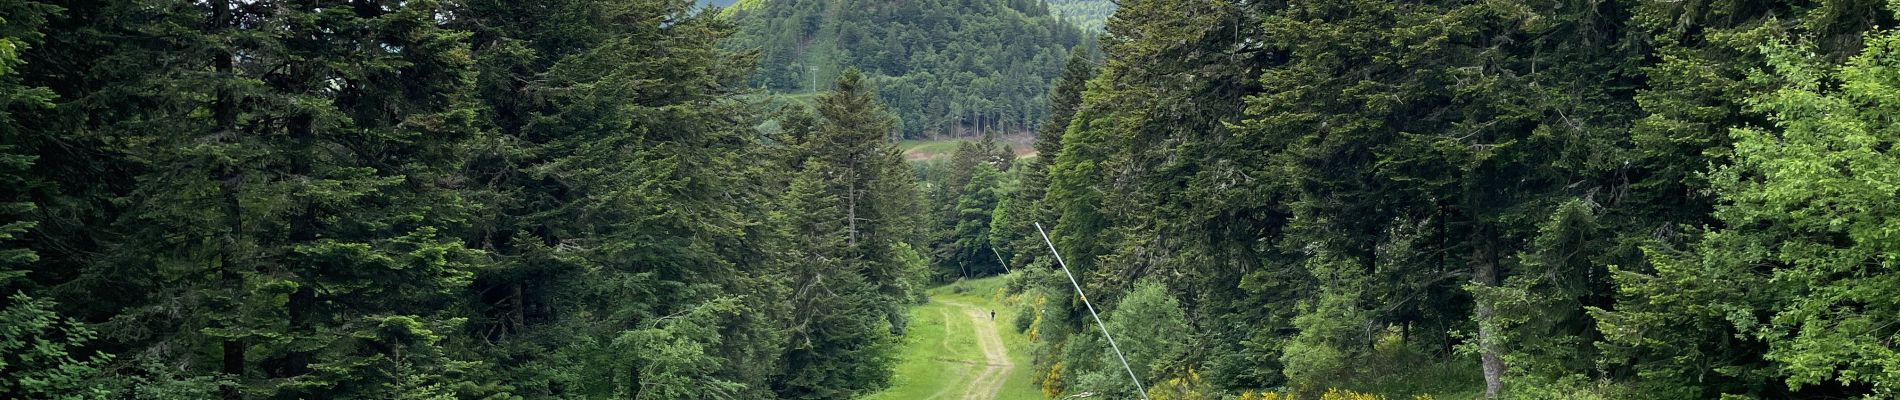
(624, 266)
(846, 209)
(1151, 179)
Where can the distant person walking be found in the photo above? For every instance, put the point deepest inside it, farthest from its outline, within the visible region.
(992, 315)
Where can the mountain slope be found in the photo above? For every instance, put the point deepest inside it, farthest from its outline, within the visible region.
(1090, 15)
(943, 66)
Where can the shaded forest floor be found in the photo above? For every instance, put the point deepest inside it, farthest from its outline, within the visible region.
(943, 357)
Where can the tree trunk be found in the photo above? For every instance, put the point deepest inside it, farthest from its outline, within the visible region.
(224, 113)
(520, 314)
(851, 208)
(297, 362)
(1484, 272)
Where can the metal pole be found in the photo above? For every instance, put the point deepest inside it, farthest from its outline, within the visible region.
(999, 257)
(1091, 307)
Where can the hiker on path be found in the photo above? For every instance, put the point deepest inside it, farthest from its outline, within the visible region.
(992, 315)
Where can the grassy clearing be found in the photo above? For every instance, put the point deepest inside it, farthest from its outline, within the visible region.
(915, 150)
(940, 356)
(936, 359)
(918, 150)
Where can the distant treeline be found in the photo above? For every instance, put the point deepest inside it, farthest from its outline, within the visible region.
(945, 67)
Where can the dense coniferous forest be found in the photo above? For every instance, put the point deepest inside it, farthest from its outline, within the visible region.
(366, 199)
(1352, 199)
(945, 67)
(1515, 199)
(1086, 14)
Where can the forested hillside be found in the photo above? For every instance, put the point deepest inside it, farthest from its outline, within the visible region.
(945, 67)
(1087, 14)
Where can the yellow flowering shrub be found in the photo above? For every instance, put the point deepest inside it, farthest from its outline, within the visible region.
(1188, 387)
(1331, 394)
(1341, 394)
(1052, 383)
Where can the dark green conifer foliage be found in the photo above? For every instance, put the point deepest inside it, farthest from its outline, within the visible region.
(306, 212)
(1016, 235)
(42, 353)
(965, 196)
(23, 22)
(621, 232)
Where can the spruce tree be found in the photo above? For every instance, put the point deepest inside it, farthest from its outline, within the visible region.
(844, 212)
(626, 231)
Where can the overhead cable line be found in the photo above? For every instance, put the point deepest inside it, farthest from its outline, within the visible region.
(1091, 307)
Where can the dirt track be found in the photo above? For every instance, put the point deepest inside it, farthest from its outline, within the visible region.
(996, 365)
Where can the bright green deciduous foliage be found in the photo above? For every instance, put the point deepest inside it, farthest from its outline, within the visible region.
(1670, 326)
(1152, 331)
(1803, 263)
(42, 354)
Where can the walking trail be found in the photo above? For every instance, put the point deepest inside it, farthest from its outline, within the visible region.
(996, 364)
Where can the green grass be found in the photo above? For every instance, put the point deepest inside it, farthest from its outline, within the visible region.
(933, 363)
(936, 360)
(928, 149)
